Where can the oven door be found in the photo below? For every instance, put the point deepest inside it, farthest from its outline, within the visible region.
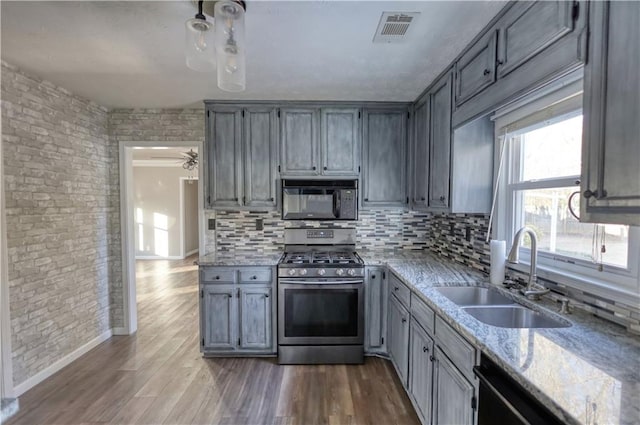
(320, 312)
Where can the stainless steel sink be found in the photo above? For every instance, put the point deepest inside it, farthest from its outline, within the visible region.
(474, 296)
(513, 316)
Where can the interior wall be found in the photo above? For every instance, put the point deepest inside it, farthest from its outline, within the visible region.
(157, 209)
(58, 169)
(191, 231)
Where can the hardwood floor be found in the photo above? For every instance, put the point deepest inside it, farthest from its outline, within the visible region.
(159, 377)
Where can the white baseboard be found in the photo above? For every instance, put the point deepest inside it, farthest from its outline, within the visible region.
(193, 251)
(120, 331)
(158, 257)
(29, 383)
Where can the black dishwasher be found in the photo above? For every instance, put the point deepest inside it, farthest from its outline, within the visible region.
(503, 401)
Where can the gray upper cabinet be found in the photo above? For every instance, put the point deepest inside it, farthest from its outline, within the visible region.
(529, 28)
(440, 146)
(260, 156)
(255, 317)
(218, 312)
(224, 144)
(375, 310)
(421, 358)
(611, 148)
(476, 69)
(454, 398)
(420, 156)
(398, 337)
(299, 147)
(340, 148)
(384, 158)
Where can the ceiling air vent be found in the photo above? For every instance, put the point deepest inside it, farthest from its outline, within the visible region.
(394, 26)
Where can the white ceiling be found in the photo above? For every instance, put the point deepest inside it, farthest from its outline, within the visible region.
(130, 54)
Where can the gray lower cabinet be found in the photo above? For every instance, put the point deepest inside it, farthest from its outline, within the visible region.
(340, 147)
(440, 143)
(421, 358)
(398, 337)
(384, 180)
(237, 310)
(241, 156)
(454, 402)
(224, 159)
(375, 310)
(299, 147)
(611, 149)
(219, 317)
(420, 155)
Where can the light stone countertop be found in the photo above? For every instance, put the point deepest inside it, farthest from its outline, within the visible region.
(588, 373)
(240, 258)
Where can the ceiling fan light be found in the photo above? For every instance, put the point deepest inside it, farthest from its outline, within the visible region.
(199, 45)
(230, 45)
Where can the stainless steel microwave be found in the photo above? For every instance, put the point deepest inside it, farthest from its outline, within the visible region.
(319, 199)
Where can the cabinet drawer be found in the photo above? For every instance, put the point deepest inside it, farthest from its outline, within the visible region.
(400, 290)
(216, 275)
(255, 276)
(423, 314)
(461, 353)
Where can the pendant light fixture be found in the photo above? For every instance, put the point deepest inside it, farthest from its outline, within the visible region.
(200, 47)
(230, 45)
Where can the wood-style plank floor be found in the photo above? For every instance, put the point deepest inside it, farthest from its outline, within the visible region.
(159, 377)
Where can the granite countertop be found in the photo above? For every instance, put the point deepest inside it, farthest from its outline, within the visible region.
(240, 258)
(588, 373)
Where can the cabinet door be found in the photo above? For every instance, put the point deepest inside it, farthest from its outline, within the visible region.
(420, 161)
(375, 316)
(255, 317)
(385, 145)
(440, 146)
(224, 139)
(340, 147)
(299, 150)
(454, 400)
(529, 28)
(611, 148)
(398, 337)
(219, 314)
(476, 69)
(421, 370)
(260, 157)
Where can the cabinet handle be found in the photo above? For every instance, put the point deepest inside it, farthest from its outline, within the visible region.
(499, 62)
(230, 295)
(217, 277)
(325, 168)
(235, 199)
(395, 288)
(313, 168)
(373, 276)
(433, 359)
(404, 320)
(266, 295)
(442, 198)
(254, 277)
(425, 349)
(486, 72)
(422, 199)
(366, 199)
(595, 194)
(271, 199)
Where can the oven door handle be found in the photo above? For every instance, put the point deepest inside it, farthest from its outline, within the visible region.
(320, 282)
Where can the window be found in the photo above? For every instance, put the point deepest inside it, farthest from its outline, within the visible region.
(540, 170)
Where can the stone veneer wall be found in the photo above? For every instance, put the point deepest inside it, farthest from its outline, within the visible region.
(61, 220)
(146, 125)
(379, 229)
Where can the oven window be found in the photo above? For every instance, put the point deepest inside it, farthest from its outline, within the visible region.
(321, 313)
(301, 203)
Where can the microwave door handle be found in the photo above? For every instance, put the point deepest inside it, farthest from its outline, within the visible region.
(336, 203)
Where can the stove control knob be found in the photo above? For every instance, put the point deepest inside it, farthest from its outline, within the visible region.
(340, 272)
(292, 272)
(351, 272)
(321, 272)
(303, 272)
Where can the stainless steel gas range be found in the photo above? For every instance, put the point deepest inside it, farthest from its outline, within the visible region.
(320, 298)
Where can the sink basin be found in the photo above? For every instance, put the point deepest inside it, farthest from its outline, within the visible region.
(513, 316)
(473, 296)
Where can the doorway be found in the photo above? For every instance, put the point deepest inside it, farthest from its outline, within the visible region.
(162, 216)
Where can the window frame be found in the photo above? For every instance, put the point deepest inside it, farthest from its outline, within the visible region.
(615, 283)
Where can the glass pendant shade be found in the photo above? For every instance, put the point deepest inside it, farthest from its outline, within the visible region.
(199, 45)
(230, 45)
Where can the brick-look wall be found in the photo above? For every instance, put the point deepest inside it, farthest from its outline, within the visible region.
(60, 220)
(146, 125)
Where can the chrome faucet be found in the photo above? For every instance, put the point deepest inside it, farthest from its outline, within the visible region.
(532, 289)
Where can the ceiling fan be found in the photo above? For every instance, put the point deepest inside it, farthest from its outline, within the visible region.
(189, 159)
